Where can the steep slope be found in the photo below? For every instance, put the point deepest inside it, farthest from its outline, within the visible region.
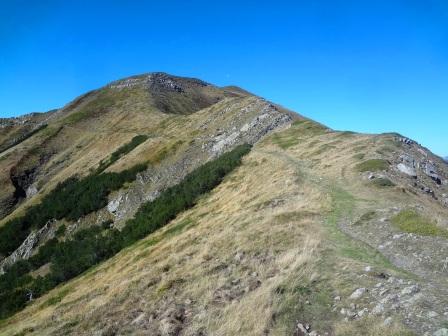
(317, 232)
(86, 131)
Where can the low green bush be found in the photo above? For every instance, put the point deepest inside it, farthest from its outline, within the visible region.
(91, 246)
(120, 152)
(71, 199)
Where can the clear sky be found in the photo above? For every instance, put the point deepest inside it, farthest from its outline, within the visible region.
(368, 66)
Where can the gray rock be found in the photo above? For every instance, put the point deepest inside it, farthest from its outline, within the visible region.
(31, 191)
(301, 330)
(362, 312)
(113, 205)
(407, 170)
(430, 169)
(441, 332)
(25, 250)
(388, 321)
(410, 290)
(357, 293)
(378, 309)
(406, 141)
(432, 314)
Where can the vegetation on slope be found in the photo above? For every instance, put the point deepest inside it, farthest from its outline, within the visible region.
(412, 222)
(5, 146)
(300, 130)
(373, 165)
(70, 199)
(91, 246)
(120, 152)
(383, 182)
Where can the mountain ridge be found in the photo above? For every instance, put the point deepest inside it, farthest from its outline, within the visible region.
(316, 232)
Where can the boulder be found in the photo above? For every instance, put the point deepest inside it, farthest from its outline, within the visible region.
(407, 170)
(357, 293)
(113, 205)
(31, 191)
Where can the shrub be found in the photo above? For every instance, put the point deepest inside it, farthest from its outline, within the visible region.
(120, 152)
(60, 231)
(93, 245)
(71, 199)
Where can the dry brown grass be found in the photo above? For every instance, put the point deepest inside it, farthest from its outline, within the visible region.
(247, 258)
(242, 262)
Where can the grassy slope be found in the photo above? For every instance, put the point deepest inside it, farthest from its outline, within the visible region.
(260, 252)
(87, 130)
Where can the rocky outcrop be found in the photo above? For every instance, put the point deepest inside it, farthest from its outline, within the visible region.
(407, 170)
(248, 125)
(405, 140)
(27, 248)
(430, 170)
(268, 119)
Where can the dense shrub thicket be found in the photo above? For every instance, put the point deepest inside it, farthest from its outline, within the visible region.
(91, 246)
(123, 150)
(70, 199)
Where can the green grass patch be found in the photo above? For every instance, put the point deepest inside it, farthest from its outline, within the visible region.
(412, 222)
(383, 182)
(311, 301)
(299, 130)
(373, 165)
(342, 208)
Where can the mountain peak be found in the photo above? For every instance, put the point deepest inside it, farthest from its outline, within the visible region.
(159, 81)
(310, 224)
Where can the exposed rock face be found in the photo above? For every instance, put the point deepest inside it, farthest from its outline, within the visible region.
(26, 249)
(31, 191)
(430, 169)
(407, 170)
(113, 205)
(249, 125)
(157, 81)
(406, 141)
(268, 120)
(407, 165)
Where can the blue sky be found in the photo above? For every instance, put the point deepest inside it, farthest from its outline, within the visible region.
(368, 66)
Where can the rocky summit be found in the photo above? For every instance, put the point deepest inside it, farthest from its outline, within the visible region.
(163, 205)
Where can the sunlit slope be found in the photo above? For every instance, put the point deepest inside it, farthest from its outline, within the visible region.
(289, 240)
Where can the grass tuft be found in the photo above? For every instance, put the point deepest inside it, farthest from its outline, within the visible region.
(412, 222)
(373, 165)
(383, 182)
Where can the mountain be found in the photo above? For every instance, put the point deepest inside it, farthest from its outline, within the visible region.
(162, 205)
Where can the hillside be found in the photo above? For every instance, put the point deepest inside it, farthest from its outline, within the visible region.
(199, 210)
